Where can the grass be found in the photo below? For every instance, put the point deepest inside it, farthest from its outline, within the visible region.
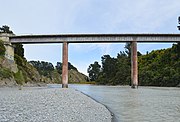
(19, 77)
(5, 73)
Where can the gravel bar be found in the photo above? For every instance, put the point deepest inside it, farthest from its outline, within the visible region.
(50, 105)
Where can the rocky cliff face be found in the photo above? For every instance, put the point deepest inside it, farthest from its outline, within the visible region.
(7, 70)
(23, 73)
(12, 74)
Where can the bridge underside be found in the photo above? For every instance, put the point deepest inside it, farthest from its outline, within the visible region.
(96, 38)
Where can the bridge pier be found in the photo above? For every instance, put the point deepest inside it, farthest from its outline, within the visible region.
(65, 66)
(134, 65)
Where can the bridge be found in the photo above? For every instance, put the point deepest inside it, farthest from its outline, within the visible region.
(94, 38)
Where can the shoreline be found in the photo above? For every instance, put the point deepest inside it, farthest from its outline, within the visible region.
(47, 85)
(112, 114)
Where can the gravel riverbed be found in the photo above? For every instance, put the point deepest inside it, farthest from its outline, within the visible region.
(50, 105)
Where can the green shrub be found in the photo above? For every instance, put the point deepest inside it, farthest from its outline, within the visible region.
(5, 73)
(18, 60)
(19, 78)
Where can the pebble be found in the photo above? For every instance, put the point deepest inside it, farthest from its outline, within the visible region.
(50, 105)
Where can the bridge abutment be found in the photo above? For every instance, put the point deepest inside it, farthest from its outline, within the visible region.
(134, 65)
(9, 54)
(65, 66)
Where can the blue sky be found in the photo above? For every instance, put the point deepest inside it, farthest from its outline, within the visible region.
(88, 16)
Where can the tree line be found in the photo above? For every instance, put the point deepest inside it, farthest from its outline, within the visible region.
(46, 68)
(157, 68)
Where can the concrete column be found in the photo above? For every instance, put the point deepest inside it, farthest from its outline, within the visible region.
(134, 65)
(65, 66)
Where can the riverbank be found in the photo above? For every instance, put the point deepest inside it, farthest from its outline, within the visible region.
(50, 104)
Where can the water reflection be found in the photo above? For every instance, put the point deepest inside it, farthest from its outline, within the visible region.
(151, 104)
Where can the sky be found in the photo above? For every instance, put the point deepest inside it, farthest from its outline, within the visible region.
(88, 16)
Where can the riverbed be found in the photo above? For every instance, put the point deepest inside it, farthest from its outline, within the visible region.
(145, 104)
(42, 104)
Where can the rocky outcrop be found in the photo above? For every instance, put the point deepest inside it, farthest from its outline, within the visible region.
(8, 68)
(76, 77)
(9, 64)
(8, 82)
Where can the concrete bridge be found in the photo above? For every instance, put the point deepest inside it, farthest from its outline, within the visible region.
(93, 38)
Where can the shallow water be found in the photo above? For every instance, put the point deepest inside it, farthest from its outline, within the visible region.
(146, 104)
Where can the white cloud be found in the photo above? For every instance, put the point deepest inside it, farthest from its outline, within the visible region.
(101, 48)
(88, 16)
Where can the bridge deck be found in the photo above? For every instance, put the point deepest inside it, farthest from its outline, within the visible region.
(95, 38)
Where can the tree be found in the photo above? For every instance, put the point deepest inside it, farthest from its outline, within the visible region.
(44, 68)
(5, 29)
(109, 68)
(160, 67)
(59, 67)
(128, 49)
(70, 66)
(157, 68)
(19, 50)
(94, 70)
(123, 73)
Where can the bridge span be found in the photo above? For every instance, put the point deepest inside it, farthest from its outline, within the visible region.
(95, 38)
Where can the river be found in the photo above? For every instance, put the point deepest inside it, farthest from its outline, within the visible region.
(146, 104)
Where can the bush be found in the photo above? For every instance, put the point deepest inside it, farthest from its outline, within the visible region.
(19, 78)
(2, 48)
(5, 73)
(18, 59)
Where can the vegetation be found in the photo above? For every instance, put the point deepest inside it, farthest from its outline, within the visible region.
(47, 69)
(44, 68)
(59, 67)
(158, 68)
(19, 50)
(94, 71)
(76, 77)
(5, 29)
(27, 73)
(19, 78)
(161, 67)
(5, 73)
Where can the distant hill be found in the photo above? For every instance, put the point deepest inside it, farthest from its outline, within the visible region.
(53, 74)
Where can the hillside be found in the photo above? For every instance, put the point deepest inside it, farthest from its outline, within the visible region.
(157, 68)
(53, 74)
(21, 72)
(160, 67)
